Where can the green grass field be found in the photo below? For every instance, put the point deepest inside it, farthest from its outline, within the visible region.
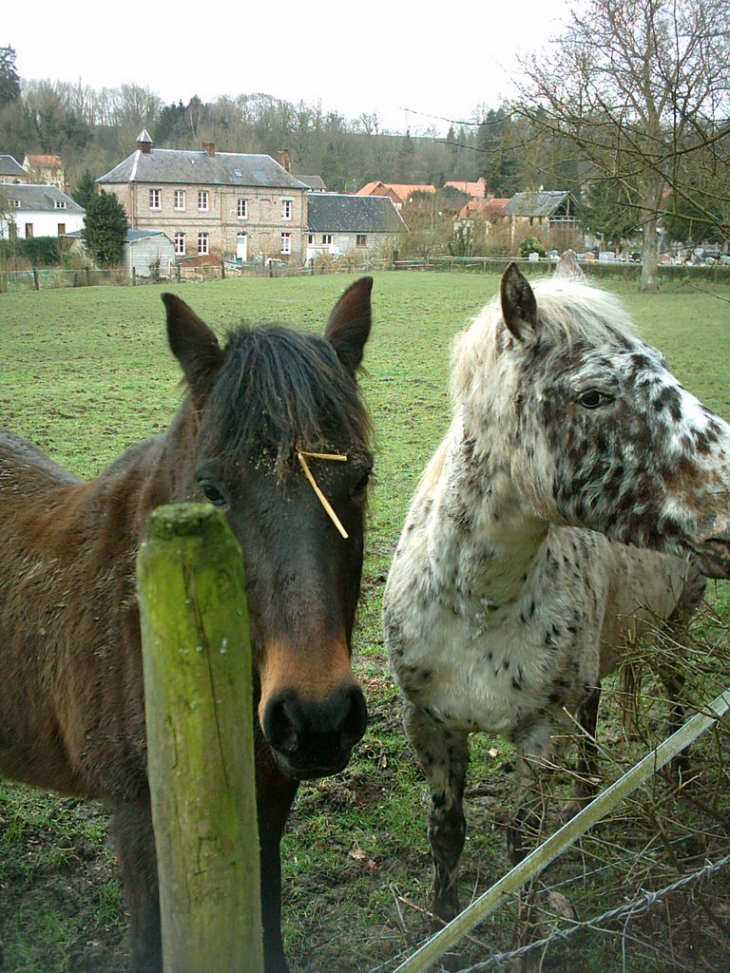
(84, 373)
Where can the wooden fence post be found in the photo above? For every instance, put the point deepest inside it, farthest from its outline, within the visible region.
(197, 673)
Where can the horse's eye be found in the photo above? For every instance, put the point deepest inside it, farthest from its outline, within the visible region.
(361, 486)
(213, 495)
(593, 398)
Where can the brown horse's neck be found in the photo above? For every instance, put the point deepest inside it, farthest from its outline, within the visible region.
(153, 472)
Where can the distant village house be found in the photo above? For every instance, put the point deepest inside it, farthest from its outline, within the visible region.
(11, 171)
(33, 211)
(358, 226)
(213, 206)
(399, 193)
(45, 170)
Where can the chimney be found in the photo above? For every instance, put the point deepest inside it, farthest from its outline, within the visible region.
(209, 147)
(144, 142)
(284, 160)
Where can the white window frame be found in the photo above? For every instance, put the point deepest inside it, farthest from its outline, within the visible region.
(326, 239)
(203, 244)
(59, 204)
(203, 200)
(287, 209)
(180, 244)
(155, 199)
(286, 243)
(242, 209)
(361, 240)
(179, 199)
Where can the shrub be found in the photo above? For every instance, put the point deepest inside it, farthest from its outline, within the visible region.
(531, 244)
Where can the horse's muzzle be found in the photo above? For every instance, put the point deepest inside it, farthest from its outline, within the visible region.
(713, 559)
(314, 738)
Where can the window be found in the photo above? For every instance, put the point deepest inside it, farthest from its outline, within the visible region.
(361, 240)
(179, 244)
(28, 231)
(180, 199)
(203, 244)
(286, 242)
(202, 199)
(154, 198)
(15, 203)
(310, 238)
(60, 204)
(286, 209)
(242, 209)
(327, 239)
(61, 229)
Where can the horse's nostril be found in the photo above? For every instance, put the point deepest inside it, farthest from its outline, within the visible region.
(356, 718)
(283, 724)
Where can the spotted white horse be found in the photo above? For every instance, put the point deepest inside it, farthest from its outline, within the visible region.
(513, 584)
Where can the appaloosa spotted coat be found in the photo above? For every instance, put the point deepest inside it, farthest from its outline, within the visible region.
(506, 600)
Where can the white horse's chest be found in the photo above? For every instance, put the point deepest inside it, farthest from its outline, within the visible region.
(480, 646)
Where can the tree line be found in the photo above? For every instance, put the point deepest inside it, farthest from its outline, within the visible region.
(628, 109)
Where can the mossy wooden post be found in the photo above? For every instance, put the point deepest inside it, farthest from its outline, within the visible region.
(197, 673)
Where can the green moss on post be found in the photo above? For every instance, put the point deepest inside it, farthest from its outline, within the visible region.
(197, 672)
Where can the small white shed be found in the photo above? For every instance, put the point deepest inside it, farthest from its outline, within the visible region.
(148, 252)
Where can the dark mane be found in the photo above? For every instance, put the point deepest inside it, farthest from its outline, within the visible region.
(279, 391)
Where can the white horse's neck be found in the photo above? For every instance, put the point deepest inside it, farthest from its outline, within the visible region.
(483, 535)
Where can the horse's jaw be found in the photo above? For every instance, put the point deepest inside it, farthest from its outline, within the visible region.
(713, 557)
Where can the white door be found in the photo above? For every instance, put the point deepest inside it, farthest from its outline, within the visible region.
(242, 247)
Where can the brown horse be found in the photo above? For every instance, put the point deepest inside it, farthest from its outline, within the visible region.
(72, 703)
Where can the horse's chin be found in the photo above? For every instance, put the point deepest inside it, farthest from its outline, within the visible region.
(310, 771)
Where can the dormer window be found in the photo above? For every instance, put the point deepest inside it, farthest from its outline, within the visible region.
(14, 203)
(60, 204)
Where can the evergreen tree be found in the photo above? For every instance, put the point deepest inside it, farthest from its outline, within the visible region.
(9, 80)
(105, 229)
(85, 189)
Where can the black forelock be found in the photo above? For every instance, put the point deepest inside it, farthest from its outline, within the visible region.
(278, 391)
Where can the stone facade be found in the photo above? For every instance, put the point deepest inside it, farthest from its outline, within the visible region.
(214, 205)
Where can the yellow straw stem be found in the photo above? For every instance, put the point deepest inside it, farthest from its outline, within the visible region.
(333, 456)
(322, 498)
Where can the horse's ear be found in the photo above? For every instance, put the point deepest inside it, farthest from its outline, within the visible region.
(519, 307)
(194, 345)
(349, 323)
(568, 267)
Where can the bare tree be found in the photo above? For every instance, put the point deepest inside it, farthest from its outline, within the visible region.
(642, 89)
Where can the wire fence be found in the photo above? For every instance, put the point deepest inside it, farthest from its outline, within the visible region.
(441, 942)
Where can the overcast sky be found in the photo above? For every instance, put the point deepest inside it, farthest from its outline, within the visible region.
(413, 64)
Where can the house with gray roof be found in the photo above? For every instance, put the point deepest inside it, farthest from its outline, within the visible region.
(342, 225)
(11, 170)
(213, 206)
(30, 211)
(554, 206)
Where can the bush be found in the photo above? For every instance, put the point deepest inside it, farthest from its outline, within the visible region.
(39, 251)
(532, 244)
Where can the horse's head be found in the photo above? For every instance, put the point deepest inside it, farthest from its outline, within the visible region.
(604, 436)
(281, 445)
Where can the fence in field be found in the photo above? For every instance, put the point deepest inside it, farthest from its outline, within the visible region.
(198, 702)
(52, 278)
(439, 944)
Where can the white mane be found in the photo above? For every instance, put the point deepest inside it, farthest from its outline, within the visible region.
(568, 310)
